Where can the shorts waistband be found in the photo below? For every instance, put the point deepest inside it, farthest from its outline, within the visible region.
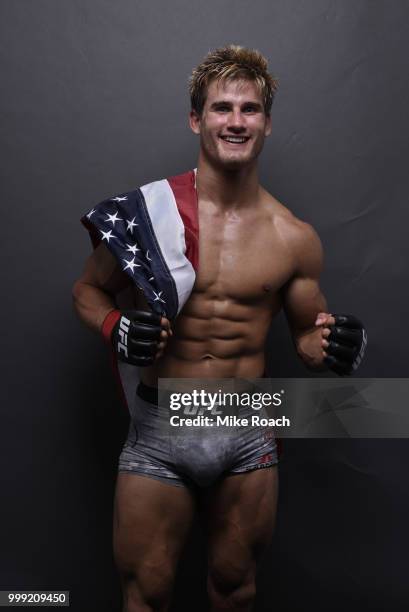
(151, 394)
(147, 393)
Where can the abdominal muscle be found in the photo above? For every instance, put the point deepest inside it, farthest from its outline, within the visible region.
(215, 338)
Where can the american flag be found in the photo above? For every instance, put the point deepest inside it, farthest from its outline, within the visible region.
(153, 232)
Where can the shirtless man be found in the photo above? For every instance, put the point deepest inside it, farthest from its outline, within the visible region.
(255, 258)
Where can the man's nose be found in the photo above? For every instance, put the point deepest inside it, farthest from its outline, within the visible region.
(236, 121)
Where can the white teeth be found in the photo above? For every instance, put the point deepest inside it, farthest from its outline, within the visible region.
(234, 140)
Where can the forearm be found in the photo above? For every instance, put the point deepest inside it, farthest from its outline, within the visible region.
(307, 349)
(92, 304)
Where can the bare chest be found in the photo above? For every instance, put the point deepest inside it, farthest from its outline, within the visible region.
(241, 257)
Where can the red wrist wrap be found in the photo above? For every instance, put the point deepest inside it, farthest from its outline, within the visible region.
(109, 323)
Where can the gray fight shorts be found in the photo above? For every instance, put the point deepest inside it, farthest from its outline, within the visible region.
(191, 455)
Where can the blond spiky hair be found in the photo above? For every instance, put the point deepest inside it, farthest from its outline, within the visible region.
(232, 62)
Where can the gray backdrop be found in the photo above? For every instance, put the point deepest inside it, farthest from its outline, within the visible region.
(94, 102)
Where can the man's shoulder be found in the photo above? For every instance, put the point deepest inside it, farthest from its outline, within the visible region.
(186, 179)
(179, 180)
(294, 231)
(178, 185)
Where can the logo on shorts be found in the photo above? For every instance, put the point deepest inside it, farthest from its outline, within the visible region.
(266, 458)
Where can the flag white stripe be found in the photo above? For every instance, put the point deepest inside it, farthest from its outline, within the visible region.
(170, 234)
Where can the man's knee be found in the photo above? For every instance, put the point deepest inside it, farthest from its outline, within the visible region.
(147, 589)
(231, 586)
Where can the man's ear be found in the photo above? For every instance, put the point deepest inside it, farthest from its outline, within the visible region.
(268, 127)
(194, 121)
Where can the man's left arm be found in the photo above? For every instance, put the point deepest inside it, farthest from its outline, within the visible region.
(322, 340)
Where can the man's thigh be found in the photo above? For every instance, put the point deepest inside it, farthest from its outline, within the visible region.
(151, 521)
(241, 514)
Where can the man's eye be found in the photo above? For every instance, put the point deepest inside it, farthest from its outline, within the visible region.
(250, 109)
(223, 109)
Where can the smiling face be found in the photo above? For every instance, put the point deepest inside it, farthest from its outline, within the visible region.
(233, 124)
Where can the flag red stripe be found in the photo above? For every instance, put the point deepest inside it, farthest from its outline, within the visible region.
(184, 191)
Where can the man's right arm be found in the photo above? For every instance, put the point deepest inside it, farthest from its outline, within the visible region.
(137, 336)
(94, 292)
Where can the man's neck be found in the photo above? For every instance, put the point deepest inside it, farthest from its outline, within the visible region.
(227, 189)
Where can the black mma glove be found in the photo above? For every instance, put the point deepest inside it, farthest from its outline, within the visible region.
(134, 335)
(347, 344)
